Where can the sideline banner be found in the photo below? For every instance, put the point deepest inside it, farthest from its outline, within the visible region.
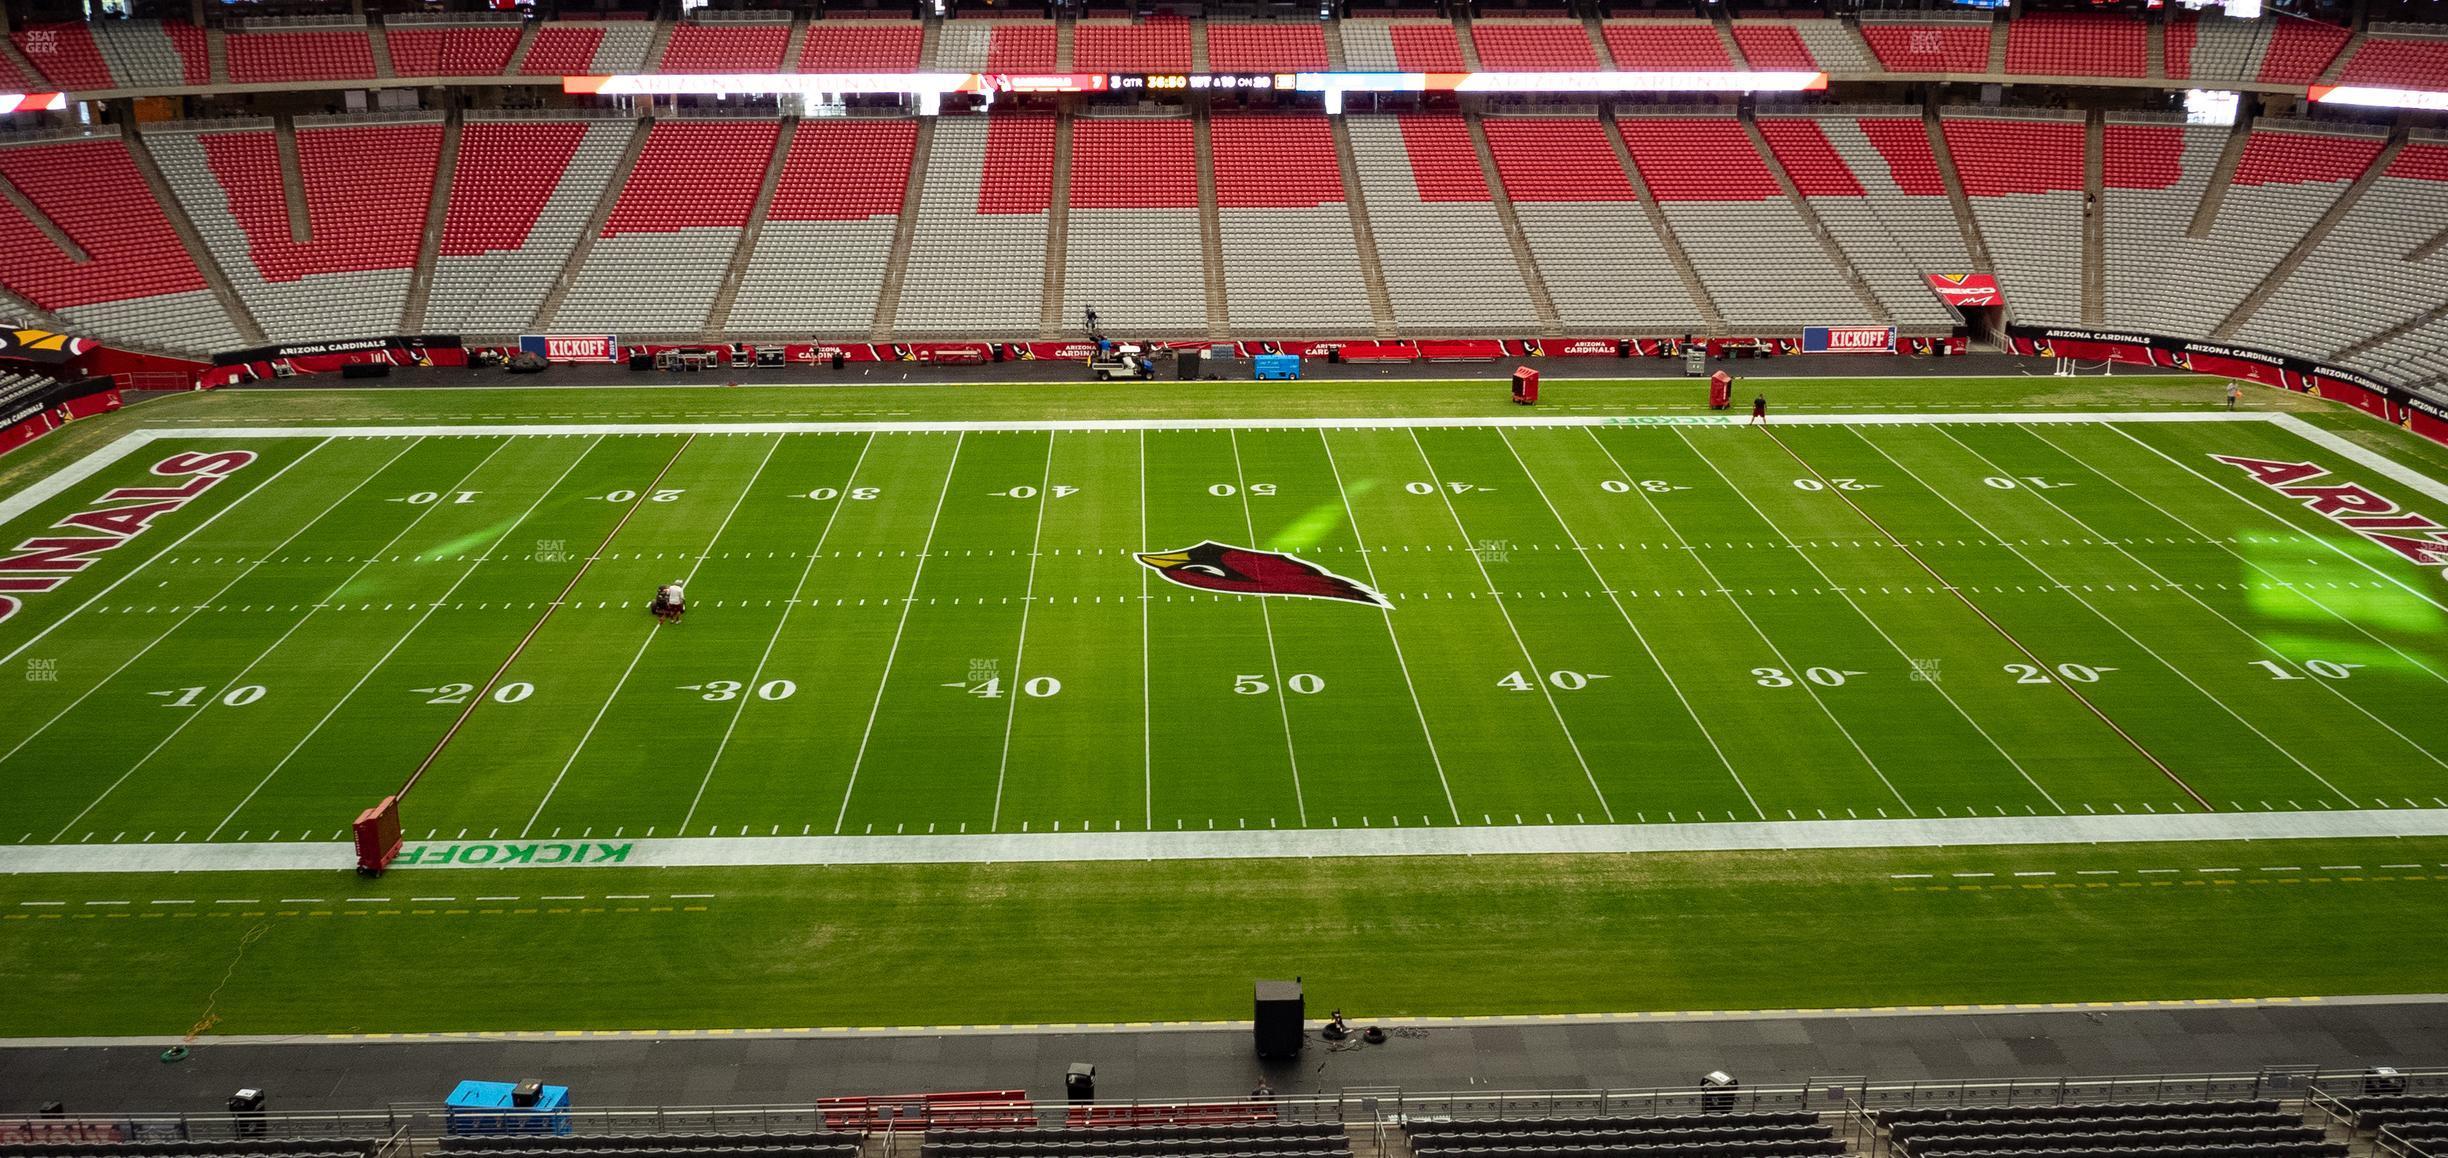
(569, 348)
(1848, 339)
(2421, 412)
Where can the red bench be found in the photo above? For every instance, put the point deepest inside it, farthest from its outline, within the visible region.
(967, 1110)
(1176, 1114)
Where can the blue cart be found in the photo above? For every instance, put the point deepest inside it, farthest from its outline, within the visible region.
(1277, 365)
(488, 1108)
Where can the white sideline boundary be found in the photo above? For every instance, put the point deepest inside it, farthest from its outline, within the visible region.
(1271, 844)
(1297, 844)
(51, 486)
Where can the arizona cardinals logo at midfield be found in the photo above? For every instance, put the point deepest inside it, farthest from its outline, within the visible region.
(1213, 566)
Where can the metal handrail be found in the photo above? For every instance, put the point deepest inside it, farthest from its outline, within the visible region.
(1853, 1102)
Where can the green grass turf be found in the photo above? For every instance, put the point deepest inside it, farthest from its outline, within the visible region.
(998, 944)
(1678, 586)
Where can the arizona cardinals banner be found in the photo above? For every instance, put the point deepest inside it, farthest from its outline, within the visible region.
(397, 349)
(2424, 413)
(30, 416)
(1966, 289)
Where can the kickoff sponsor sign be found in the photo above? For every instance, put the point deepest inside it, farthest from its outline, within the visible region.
(1848, 339)
(571, 348)
(1966, 289)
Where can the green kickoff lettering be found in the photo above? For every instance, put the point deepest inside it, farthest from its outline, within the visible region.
(436, 854)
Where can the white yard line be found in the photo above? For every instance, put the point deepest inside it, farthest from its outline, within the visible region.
(58, 482)
(1437, 480)
(653, 634)
(1369, 570)
(1637, 634)
(1266, 617)
(2102, 616)
(175, 544)
(884, 681)
(236, 680)
(2304, 592)
(405, 636)
(2255, 640)
(2282, 521)
(1782, 661)
(1228, 844)
(1118, 424)
(798, 591)
(1028, 601)
(1847, 595)
(1147, 708)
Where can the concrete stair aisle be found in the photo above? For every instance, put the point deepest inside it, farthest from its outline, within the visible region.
(1997, 44)
(655, 45)
(797, 41)
(197, 252)
(1537, 285)
(1211, 225)
(1377, 1140)
(1333, 30)
(380, 37)
(1724, 24)
(1462, 36)
(293, 180)
(551, 306)
(2337, 64)
(1973, 243)
(527, 39)
(2095, 220)
(2418, 321)
(18, 311)
(1198, 46)
(2424, 251)
(1058, 234)
(25, 68)
(1364, 238)
(1658, 224)
(896, 267)
(1872, 307)
(2154, 45)
(2205, 214)
(420, 279)
(718, 315)
(1063, 30)
(930, 34)
(49, 228)
(216, 53)
(1597, 38)
(2312, 238)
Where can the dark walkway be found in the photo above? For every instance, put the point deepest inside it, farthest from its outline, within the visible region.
(1161, 1064)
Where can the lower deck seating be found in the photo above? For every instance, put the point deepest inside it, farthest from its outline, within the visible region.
(1763, 1135)
(1449, 268)
(2130, 1130)
(820, 260)
(1134, 252)
(662, 254)
(131, 281)
(521, 194)
(1291, 263)
(976, 263)
(2363, 279)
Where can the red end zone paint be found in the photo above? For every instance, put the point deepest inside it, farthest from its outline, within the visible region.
(2352, 506)
(44, 562)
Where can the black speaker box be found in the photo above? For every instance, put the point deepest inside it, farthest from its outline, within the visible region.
(366, 370)
(1279, 1017)
(641, 361)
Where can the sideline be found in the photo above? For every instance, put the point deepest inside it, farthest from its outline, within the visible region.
(1243, 1027)
(1270, 844)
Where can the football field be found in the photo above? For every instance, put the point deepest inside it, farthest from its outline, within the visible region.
(1197, 631)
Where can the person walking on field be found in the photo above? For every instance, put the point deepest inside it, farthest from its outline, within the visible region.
(2233, 392)
(1759, 409)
